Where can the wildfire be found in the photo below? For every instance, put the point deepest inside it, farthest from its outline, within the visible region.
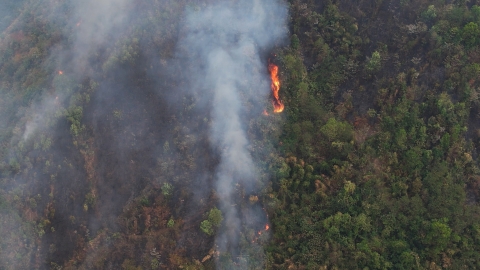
(266, 229)
(60, 72)
(277, 103)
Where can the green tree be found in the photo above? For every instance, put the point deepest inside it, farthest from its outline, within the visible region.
(438, 236)
(74, 116)
(374, 63)
(167, 189)
(170, 223)
(429, 14)
(337, 130)
(206, 227)
(475, 10)
(401, 138)
(215, 217)
(213, 221)
(470, 34)
(295, 42)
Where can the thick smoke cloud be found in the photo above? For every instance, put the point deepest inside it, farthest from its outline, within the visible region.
(225, 43)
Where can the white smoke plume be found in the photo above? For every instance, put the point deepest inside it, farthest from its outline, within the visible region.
(98, 23)
(93, 24)
(225, 41)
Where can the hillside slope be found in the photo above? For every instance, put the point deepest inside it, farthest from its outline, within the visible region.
(140, 134)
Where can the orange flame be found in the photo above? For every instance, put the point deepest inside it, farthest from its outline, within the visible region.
(60, 72)
(277, 103)
(266, 229)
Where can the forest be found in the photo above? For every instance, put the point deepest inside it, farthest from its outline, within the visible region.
(144, 134)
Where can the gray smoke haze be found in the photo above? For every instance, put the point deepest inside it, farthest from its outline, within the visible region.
(92, 25)
(226, 41)
(99, 24)
(89, 27)
(222, 44)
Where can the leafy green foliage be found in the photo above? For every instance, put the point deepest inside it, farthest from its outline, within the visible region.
(375, 165)
(385, 187)
(170, 223)
(207, 227)
(144, 201)
(429, 14)
(74, 116)
(212, 222)
(167, 189)
(470, 34)
(337, 131)
(373, 63)
(215, 217)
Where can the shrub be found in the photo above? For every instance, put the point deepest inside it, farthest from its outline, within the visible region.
(429, 14)
(374, 63)
(213, 221)
(215, 217)
(206, 227)
(167, 189)
(170, 223)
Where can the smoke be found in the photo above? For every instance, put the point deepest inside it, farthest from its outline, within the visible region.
(97, 24)
(225, 42)
(90, 26)
(8, 11)
(222, 44)
(82, 30)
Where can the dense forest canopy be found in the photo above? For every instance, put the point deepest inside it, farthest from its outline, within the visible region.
(142, 134)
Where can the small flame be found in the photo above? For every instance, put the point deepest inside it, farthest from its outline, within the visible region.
(60, 72)
(277, 103)
(266, 229)
(265, 112)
